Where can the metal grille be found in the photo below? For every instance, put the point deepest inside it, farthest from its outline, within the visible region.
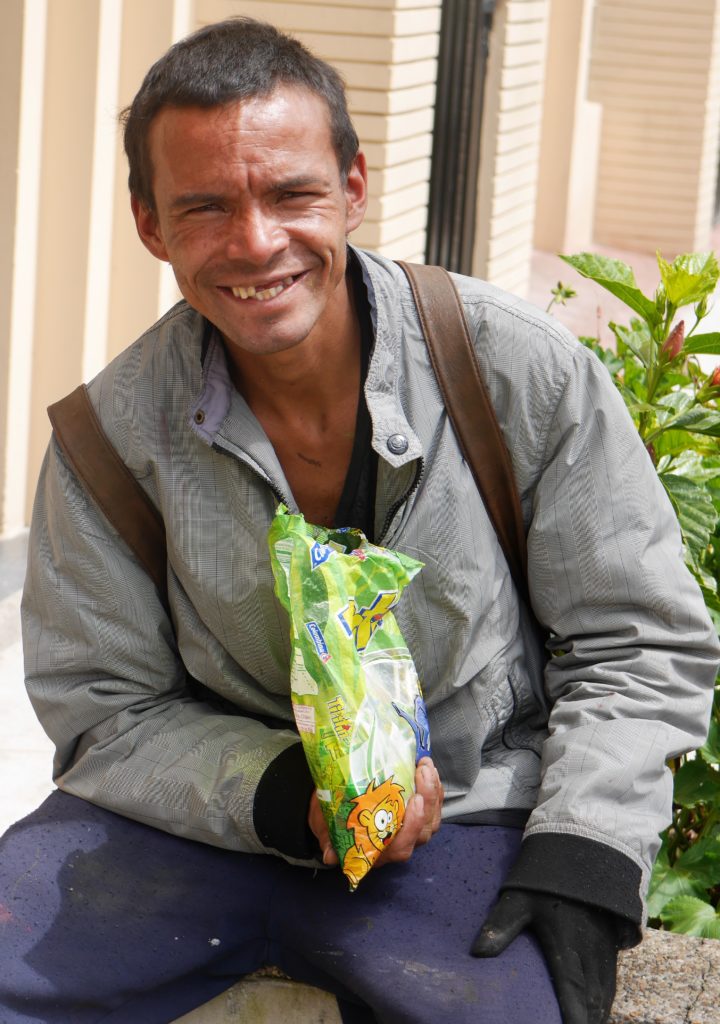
(464, 32)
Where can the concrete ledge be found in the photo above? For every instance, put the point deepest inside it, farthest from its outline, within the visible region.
(267, 998)
(667, 979)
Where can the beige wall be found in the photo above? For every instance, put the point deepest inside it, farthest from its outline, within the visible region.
(655, 72)
(510, 144)
(22, 44)
(570, 133)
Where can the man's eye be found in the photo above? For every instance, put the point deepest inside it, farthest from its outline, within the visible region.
(205, 208)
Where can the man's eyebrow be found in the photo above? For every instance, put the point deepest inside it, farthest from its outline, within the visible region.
(300, 181)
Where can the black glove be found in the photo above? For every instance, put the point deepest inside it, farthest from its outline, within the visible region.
(580, 944)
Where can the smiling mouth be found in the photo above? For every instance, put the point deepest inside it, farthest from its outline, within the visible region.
(264, 292)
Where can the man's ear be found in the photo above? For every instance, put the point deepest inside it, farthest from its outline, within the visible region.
(356, 196)
(146, 222)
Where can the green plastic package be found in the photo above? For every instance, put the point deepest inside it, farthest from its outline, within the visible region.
(355, 692)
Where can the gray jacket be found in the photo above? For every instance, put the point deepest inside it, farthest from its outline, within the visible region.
(580, 739)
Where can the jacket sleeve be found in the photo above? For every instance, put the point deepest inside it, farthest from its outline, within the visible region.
(635, 655)
(107, 683)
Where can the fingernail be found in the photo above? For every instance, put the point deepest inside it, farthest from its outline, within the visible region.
(419, 803)
(427, 774)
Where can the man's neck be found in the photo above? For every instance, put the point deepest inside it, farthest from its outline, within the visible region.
(306, 400)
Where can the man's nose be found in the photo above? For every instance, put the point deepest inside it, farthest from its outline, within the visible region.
(255, 235)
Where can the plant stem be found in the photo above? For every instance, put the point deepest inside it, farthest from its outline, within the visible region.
(697, 321)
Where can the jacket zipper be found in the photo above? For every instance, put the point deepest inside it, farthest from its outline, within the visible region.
(401, 501)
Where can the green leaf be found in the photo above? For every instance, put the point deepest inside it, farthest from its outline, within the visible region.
(710, 751)
(696, 783)
(618, 278)
(703, 344)
(674, 442)
(699, 420)
(689, 278)
(695, 511)
(708, 585)
(701, 469)
(666, 884)
(637, 338)
(701, 861)
(676, 402)
(691, 916)
(673, 379)
(635, 405)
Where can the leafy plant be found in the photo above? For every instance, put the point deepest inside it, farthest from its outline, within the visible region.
(675, 405)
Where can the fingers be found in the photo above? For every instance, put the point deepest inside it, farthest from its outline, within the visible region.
(318, 826)
(429, 786)
(421, 821)
(580, 947)
(406, 839)
(568, 978)
(600, 970)
(583, 994)
(422, 815)
(504, 923)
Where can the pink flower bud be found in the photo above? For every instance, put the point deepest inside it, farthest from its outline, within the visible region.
(672, 346)
(714, 381)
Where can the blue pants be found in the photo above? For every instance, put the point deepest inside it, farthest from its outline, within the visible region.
(104, 919)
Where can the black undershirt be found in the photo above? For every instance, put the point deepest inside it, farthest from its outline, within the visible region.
(356, 507)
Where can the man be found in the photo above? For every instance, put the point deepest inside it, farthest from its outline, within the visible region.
(294, 372)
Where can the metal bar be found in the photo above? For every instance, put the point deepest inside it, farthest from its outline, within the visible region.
(464, 31)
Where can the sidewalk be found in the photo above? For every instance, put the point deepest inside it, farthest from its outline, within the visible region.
(25, 751)
(593, 307)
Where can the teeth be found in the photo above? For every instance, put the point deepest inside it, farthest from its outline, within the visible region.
(263, 294)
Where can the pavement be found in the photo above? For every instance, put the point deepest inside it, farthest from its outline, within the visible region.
(25, 751)
(590, 311)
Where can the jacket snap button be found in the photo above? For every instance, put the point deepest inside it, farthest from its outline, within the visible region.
(200, 416)
(398, 444)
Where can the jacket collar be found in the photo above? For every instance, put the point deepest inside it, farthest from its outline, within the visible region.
(388, 297)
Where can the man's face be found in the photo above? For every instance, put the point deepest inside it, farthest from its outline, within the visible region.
(252, 213)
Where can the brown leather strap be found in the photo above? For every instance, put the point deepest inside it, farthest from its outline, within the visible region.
(469, 408)
(110, 483)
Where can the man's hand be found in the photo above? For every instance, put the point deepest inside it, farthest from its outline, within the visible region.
(421, 821)
(580, 944)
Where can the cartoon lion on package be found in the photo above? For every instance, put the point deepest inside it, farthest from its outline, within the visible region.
(375, 818)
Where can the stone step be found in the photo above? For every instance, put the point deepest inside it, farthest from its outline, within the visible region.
(667, 979)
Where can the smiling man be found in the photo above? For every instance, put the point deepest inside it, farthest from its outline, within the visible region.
(252, 210)
(183, 846)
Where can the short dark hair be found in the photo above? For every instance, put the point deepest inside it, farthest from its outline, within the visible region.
(227, 61)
